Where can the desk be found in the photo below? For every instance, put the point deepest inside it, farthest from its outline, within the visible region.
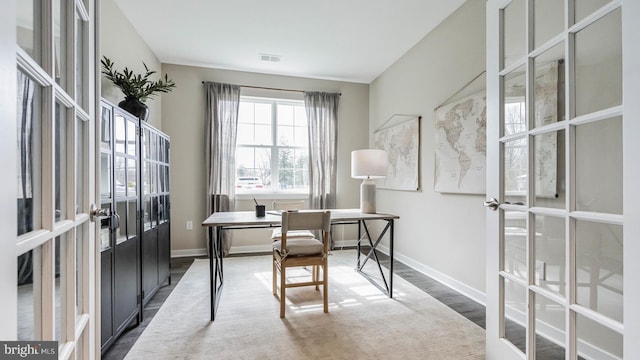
(221, 221)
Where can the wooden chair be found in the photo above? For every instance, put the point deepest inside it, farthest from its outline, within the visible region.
(296, 252)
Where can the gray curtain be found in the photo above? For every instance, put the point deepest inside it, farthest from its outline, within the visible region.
(322, 115)
(221, 118)
(25, 102)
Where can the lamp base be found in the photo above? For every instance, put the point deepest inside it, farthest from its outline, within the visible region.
(368, 196)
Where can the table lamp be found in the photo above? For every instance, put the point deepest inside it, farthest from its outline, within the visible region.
(368, 164)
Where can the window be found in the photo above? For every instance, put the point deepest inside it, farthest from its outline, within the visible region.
(272, 152)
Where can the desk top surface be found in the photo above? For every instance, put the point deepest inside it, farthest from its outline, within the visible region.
(233, 218)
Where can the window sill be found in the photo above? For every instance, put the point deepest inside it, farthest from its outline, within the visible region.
(272, 196)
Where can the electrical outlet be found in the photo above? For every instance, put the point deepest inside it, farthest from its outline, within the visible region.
(189, 225)
(540, 270)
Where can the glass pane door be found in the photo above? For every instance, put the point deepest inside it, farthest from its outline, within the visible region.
(558, 243)
(55, 166)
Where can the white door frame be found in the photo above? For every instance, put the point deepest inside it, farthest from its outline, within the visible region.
(8, 145)
(631, 176)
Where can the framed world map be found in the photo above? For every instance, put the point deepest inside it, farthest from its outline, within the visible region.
(400, 138)
(461, 150)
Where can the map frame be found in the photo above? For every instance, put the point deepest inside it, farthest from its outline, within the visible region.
(400, 138)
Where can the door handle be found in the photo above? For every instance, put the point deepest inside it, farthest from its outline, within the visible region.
(96, 213)
(492, 203)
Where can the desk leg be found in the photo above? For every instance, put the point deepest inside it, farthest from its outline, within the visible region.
(385, 287)
(391, 259)
(215, 268)
(212, 287)
(358, 245)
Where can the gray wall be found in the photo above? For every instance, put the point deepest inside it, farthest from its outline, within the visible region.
(440, 234)
(120, 42)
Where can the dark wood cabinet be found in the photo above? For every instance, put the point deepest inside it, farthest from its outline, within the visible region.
(135, 240)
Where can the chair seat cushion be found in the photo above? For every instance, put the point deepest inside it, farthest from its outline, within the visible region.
(277, 234)
(297, 246)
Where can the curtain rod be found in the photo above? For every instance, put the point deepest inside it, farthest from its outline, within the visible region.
(271, 88)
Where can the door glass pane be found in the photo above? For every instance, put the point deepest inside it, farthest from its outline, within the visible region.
(514, 102)
(515, 305)
(514, 39)
(162, 179)
(60, 38)
(550, 253)
(105, 128)
(167, 180)
(29, 188)
(598, 65)
(60, 261)
(132, 178)
(29, 27)
(60, 168)
(165, 209)
(548, 167)
(599, 268)
(105, 176)
(548, 89)
(550, 319)
(81, 277)
(599, 166)
(80, 164)
(105, 232)
(146, 206)
(146, 176)
(132, 143)
(132, 221)
(154, 146)
(586, 7)
(120, 133)
(154, 178)
(515, 244)
(80, 62)
(146, 144)
(26, 305)
(548, 20)
(154, 210)
(161, 207)
(515, 171)
(120, 176)
(596, 341)
(121, 224)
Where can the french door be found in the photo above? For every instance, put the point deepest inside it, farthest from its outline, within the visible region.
(562, 94)
(48, 132)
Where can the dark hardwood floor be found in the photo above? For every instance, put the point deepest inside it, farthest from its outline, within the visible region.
(466, 307)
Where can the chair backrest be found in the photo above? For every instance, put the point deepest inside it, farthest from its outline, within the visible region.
(288, 205)
(306, 220)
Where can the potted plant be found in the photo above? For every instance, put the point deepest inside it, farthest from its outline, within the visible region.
(136, 87)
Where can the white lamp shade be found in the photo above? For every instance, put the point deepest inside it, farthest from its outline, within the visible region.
(369, 164)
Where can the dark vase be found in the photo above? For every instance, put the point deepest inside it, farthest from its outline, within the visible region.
(135, 107)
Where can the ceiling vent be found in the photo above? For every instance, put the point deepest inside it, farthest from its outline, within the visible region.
(270, 58)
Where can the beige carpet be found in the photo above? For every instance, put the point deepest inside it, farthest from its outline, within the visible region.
(362, 323)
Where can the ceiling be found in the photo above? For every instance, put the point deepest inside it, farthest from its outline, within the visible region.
(345, 40)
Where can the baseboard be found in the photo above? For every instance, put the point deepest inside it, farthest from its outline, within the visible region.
(444, 279)
(188, 253)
